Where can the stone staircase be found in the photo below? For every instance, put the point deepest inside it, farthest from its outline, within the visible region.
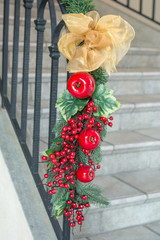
(130, 173)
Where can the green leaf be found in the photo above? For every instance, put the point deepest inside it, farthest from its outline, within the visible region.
(104, 100)
(70, 105)
(50, 165)
(49, 151)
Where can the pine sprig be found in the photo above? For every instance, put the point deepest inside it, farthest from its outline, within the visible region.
(100, 76)
(93, 193)
(78, 6)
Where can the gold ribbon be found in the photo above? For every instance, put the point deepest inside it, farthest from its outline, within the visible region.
(93, 41)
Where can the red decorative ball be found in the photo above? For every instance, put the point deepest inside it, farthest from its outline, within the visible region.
(81, 85)
(85, 174)
(89, 139)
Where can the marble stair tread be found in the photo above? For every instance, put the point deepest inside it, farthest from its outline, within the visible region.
(147, 181)
(155, 226)
(132, 233)
(130, 139)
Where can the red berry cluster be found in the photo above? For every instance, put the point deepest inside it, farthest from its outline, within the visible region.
(74, 212)
(84, 131)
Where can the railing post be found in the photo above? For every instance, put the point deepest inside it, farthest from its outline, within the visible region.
(40, 27)
(28, 4)
(54, 54)
(5, 50)
(15, 58)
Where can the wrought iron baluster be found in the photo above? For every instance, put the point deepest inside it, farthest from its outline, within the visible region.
(153, 9)
(140, 6)
(40, 26)
(15, 58)
(54, 54)
(5, 50)
(28, 6)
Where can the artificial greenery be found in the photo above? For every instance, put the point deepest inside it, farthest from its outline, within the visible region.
(104, 100)
(70, 105)
(100, 76)
(78, 6)
(69, 108)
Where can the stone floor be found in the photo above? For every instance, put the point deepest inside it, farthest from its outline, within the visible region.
(144, 232)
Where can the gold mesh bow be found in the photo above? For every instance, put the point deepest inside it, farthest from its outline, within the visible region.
(93, 41)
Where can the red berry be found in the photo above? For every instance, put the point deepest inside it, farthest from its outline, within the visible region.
(85, 174)
(98, 166)
(110, 124)
(44, 158)
(82, 218)
(66, 185)
(89, 125)
(81, 85)
(85, 116)
(89, 139)
(91, 104)
(81, 164)
(57, 153)
(80, 206)
(84, 197)
(65, 128)
(46, 175)
(95, 108)
(105, 122)
(76, 136)
(72, 182)
(87, 204)
(54, 191)
(74, 205)
(72, 224)
(69, 219)
(50, 192)
(98, 124)
(49, 184)
(111, 118)
(69, 201)
(71, 195)
(79, 223)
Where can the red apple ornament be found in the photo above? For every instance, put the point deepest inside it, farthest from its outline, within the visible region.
(85, 174)
(81, 85)
(89, 139)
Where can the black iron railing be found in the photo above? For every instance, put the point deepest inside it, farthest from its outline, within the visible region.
(140, 8)
(10, 105)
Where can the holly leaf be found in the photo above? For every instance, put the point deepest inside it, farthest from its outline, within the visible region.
(105, 102)
(70, 105)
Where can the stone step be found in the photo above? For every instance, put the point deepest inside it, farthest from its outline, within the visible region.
(136, 57)
(149, 231)
(126, 150)
(137, 82)
(134, 200)
(32, 56)
(136, 112)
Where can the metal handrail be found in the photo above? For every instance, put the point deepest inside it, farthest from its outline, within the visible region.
(140, 9)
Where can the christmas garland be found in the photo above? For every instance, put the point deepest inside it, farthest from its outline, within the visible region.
(85, 108)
